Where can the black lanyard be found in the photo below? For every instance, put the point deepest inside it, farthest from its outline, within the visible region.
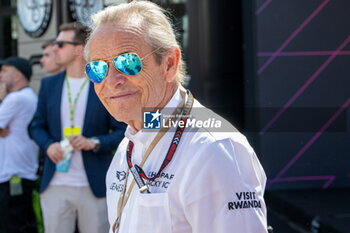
(138, 172)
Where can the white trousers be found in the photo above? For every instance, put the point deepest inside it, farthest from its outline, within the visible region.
(62, 206)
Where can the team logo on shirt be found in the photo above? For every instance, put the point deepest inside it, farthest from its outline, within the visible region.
(244, 200)
(163, 181)
(152, 120)
(118, 185)
(121, 175)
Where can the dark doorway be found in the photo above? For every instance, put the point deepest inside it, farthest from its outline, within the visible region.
(211, 34)
(8, 29)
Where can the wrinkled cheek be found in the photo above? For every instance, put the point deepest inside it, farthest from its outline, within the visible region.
(105, 103)
(112, 105)
(98, 90)
(112, 108)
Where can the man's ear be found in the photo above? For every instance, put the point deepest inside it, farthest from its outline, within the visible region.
(171, 64)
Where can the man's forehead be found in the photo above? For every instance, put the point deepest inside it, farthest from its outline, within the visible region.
(67, 34)
(48, 49)
(7, 67)
(107, 42)
(118, 30)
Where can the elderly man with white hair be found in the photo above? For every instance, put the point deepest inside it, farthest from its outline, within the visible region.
(182, 177)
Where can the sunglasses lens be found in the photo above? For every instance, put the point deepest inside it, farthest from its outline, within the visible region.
(128, 63)
(59, 44)
(96, 71)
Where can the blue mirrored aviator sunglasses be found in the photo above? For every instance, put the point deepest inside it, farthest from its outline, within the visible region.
(126, 63)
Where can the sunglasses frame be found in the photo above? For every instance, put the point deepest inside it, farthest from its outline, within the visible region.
(111, 59)
(60, 43)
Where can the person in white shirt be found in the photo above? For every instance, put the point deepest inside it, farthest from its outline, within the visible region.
(171, 173)
(18, 153)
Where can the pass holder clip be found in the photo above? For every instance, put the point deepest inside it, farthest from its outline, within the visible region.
(16, 188)
(143, 188)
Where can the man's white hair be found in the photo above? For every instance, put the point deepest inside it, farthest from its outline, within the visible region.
(151, 19)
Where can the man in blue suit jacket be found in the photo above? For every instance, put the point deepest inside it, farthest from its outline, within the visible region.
(68, 108)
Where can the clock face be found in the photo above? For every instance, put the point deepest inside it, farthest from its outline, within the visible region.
(82, 9)
(34, 16)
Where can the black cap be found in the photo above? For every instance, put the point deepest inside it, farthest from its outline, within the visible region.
(21, 64)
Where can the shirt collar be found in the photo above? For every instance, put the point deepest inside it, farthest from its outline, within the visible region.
(146, 137)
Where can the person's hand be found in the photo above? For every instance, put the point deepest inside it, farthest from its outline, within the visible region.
(55, 152)
(3, 91)
(4, 132)
(80, 142)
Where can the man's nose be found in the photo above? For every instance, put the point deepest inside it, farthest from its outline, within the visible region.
(114, 77)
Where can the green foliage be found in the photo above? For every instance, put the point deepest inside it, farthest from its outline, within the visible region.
(37, 211)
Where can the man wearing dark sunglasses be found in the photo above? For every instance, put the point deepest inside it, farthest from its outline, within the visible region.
(181, 177)
(78, 136)
(48, 60)
(61, 43)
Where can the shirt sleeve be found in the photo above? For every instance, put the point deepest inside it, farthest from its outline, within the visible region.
(9, 108)
(224, 189)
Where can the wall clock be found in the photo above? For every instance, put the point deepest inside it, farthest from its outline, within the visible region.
(34, 16)
(81, 10)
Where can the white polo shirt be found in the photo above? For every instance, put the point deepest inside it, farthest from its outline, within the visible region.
(214, 184)
(18, 153)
